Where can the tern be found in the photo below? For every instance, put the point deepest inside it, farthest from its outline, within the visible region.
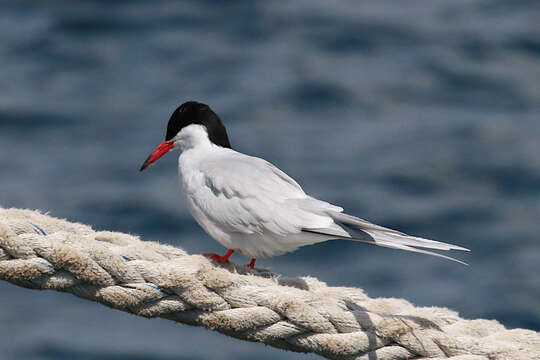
(250, 206)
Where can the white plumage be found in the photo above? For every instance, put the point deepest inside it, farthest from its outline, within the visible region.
(249, 205)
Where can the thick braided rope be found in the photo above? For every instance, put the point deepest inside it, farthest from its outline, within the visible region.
(298, 314)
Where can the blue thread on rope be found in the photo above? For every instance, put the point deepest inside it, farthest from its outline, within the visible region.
(44, 263)
(38, 228)
(157, 288)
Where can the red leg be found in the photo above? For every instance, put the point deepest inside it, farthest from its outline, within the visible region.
(220, 259)
(251, 263)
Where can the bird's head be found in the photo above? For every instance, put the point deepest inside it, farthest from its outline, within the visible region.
(191, 123)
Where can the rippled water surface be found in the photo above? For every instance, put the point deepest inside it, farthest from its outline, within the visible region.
(422, 116)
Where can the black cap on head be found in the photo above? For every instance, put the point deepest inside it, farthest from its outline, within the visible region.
(193, 112)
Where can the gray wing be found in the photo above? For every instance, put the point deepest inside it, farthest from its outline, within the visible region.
(248, 195)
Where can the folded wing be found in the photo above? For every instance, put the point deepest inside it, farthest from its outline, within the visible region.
(250, 201)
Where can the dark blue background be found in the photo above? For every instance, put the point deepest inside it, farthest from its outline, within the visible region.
(423, 116)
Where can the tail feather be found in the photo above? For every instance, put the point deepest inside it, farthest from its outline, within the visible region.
(421, 251)
(412, 241)
(362, 230)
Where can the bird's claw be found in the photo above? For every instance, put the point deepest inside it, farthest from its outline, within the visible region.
(218, 258)
(251, 265)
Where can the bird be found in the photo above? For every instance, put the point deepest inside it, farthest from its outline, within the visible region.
(250, 206)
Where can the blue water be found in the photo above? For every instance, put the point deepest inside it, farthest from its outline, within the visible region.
(422, 116)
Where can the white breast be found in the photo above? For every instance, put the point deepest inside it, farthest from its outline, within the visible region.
(249, 205)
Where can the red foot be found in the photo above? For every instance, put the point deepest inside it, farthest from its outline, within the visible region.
(251, 263)
(220, 259)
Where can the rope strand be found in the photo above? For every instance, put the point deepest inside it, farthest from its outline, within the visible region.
(297, 314)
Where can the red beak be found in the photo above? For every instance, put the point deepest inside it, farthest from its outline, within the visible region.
(161, 150)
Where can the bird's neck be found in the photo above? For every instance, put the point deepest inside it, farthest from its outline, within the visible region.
(194, 158)
(193, 137)
(199, 151)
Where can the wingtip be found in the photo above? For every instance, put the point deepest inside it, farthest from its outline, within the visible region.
(460, 248)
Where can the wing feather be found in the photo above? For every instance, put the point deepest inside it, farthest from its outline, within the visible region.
(249, 195)
(246, 203)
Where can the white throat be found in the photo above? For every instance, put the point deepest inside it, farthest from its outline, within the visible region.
(192, 136)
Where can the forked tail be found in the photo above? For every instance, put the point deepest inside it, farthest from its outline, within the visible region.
(362, 230)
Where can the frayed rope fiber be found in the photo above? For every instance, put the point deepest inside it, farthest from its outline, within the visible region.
(298, 314)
